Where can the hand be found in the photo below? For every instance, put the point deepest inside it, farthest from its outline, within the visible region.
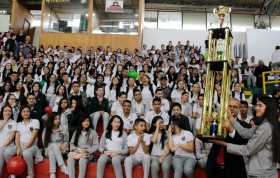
(140, 138)
(19, 151)
(194, 114)
(158, 124)
(62, 147)
(161, 158)
(226, 124)
(170, 129)
(219, 142)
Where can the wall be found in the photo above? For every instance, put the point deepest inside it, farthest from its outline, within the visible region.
(5, 23)
(19, 14)
(87, 40)
(261, 43)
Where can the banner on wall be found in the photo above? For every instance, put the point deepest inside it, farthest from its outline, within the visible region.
(114, 6)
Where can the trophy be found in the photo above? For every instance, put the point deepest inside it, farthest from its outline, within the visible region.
(217, 63)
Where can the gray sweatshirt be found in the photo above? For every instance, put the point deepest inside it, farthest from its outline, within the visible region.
(259, 151)
(87, 140)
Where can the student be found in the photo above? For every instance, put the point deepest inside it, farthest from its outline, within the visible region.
(156, 112)
(181, 143)
(26, 138)
(177, 92)
(138, 106)
(127, 116)
(116, 108)
(138, 149)
(176, 114)
(83, 144)
(237, 93)
(164, 102)
(113, 146)
(99, 107)
(159, 149)
(7, 135)
(147, 89)
(263, 148)
(185, 104)
(74, 116)
(56, 142)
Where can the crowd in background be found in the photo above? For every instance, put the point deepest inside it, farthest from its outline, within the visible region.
(145, 118)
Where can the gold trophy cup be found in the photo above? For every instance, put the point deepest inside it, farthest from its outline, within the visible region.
(218, 63)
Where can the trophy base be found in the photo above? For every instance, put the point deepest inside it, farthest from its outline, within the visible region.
(207, 138)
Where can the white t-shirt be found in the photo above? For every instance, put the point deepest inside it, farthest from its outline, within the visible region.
(132, 140)
(7, 130)
(164, 105)
(157, 149)
(147, 96)
(115, 143)
(151, 114)
(198, 109)
(184, 137)
(176, 95)
(116, 107)
(25, 131)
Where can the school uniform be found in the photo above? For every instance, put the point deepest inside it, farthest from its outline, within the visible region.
(139, 108)
(183, 162)
(58, 137)
(151, 114)
(156, 152)
(87, 140)
(176, 95)
(116, 107)
(147, 93)
(25, 132)
(128, 121)
(138, 157)
(164, 105)
(116, 143)
(6, 152)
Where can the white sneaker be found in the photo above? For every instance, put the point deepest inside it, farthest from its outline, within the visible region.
(64, 169)
(38, 157)
(12, 176)
(53, 175)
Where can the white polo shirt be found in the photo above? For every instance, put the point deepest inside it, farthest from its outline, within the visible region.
(7, 130)
(132, 140)
(151, 114)
(128, 121)
(184, 137)
(25, 131)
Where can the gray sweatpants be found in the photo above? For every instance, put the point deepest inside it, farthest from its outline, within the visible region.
(183, 165)
(132, 160)
(96, 116)
(116, 162)
(165, 166)
(82, 167)
(29, 155)
(5, 154)
(55, 155)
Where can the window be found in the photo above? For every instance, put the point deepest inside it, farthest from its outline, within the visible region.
(116, 16)
(241, 23)
(170, 20)
(150, 20)
(66, 16)
(194, 21)
(275, 22)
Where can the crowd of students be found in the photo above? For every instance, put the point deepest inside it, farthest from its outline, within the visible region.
(150, 120)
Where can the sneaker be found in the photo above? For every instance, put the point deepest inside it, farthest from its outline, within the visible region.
(64, 169)
(53, 175)
(12, 176)
(38, 157)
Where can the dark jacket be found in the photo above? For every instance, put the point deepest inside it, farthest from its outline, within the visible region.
(234, 165)
(94, 105)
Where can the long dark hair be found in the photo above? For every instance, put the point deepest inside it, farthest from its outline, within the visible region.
(59, 110)
(80, 128)
(153, 129)
(2, 110)
(20, 117)
(110, 128)
(272, 116)
(49, 127)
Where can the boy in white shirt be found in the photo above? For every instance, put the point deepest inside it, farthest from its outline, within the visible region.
(164, 102)
(138, 144)
(127, 116)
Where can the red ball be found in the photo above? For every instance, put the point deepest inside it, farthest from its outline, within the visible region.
(48, 110)
(16, 166)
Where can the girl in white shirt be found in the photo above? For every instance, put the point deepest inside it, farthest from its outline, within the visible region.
(7, 136)
(26, 138)
(113, 147)
(56, 142)
(159, 148)
(177, 92)
(181, 143)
